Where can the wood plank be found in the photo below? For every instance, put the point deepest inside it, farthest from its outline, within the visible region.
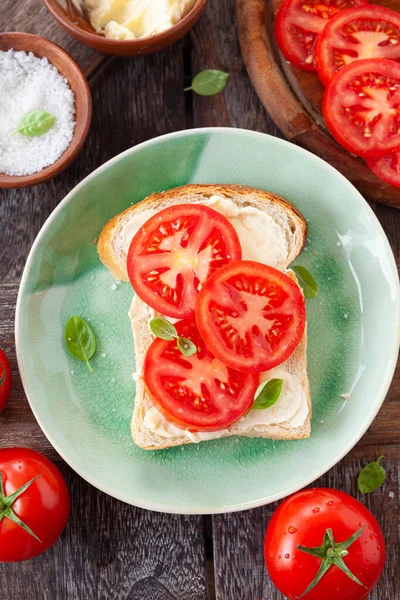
(31, 16)
(215, 45)
(238, 537)
(112, 550)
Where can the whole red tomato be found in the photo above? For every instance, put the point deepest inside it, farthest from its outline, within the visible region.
(5, 380)
(324, 544)
(34, 504)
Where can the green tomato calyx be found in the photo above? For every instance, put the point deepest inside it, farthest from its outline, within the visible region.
(6, 503)
(331, 553)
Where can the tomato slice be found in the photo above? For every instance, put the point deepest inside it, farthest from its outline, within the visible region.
(251, 316)
(362, 107)
(387, 168)
(174, 253)
(298, 25)
(196, 392)
(355, 34)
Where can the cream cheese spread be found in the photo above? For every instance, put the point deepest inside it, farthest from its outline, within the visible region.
(261, 238)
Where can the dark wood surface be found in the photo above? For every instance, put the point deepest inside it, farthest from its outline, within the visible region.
(111, 551)
(294, 97)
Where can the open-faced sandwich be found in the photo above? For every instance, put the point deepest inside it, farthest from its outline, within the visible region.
(218, 320)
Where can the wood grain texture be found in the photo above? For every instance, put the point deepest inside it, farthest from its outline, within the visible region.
(293, 98)
(238, 537)
(113, 551)
(214, 45)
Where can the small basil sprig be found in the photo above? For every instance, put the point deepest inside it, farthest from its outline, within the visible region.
(80, 340)
(307, 282)
(34, 123)
(166, 331)
(267, 394)
(371, 477)
(209, 82)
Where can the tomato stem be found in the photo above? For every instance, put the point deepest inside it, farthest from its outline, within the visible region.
(331, 553)
(6, 503)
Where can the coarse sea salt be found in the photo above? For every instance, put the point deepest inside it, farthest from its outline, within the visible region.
(31, 83)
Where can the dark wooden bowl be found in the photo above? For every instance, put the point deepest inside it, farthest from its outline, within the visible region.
(293, 98)
(83, 103)
(78, 25)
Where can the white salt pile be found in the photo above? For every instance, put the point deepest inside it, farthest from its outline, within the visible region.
(29, 83)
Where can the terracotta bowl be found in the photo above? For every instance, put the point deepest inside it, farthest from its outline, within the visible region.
(83, 103)
(78, 25)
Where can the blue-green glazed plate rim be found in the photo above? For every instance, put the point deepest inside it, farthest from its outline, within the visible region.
(354, 327)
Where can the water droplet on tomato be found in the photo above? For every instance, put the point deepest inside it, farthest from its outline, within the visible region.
(371, 537)
(359, 524)
(316, 509)
(378, 547)
(292, 529)
(330, 503)
(19, 467)
(279, 557)
(287, 555)
(284, 533)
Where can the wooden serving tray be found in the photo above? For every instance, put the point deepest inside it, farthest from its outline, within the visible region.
(293, 98)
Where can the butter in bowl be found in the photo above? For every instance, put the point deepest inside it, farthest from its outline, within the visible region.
(126, 27)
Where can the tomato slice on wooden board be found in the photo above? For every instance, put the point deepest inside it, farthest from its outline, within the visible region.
(355, 34)
(175, 251)
(362, 107)
(387, 168)
(196, 392)
(251, 316)
(298, 25)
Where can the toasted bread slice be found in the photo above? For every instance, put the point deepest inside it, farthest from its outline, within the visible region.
(113, 246)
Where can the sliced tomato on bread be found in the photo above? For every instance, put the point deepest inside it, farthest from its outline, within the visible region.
(196, 392)
(175, 252)
(251, 316)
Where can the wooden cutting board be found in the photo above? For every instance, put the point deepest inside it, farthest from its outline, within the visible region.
(293, 98)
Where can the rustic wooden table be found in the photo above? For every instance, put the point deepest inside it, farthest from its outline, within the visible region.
(110, 550)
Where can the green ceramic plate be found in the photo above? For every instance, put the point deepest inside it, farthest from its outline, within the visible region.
(353, 327)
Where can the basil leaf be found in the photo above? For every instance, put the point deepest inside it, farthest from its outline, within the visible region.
(163, 329)
(267, 394)
(371, 477)
(307, 282)
(80, 340)
(34, 123)
(209, 82)
(186, 346)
